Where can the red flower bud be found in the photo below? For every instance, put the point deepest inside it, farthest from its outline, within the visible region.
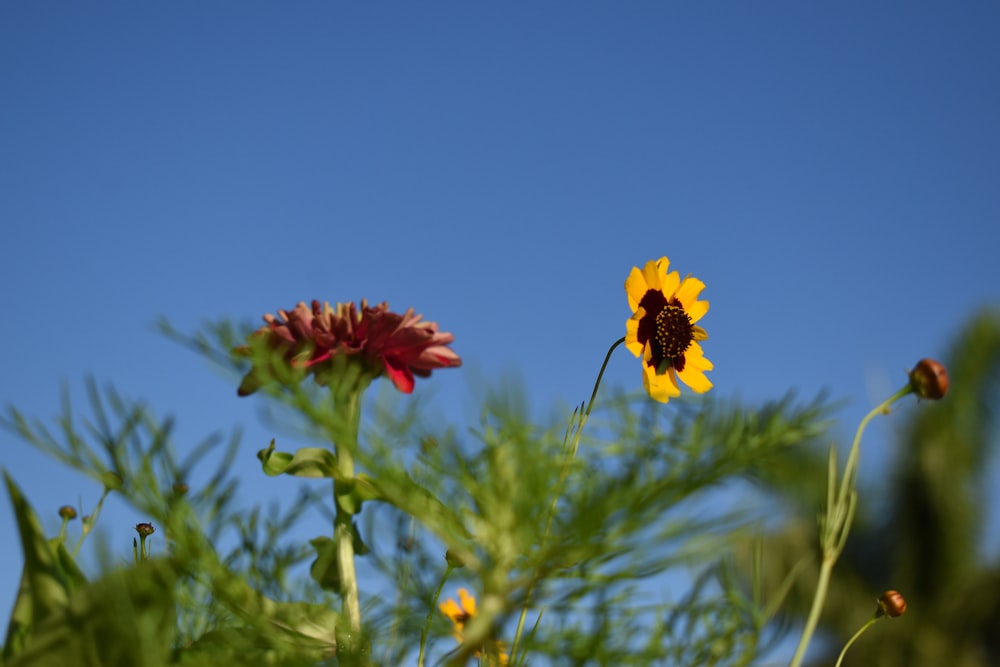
(929, 379)
(892, 604)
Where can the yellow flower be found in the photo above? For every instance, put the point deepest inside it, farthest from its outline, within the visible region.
(460, 614)
(662, 329)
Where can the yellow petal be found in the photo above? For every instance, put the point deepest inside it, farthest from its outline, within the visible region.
(468, 602)
(698, 333)
(654, 272)
(635, 287)
(696, 355)
(632, 333)
(670, 283)
(688, 291)
(697, 310)
(695, 365)
(451, 609)
(660, 387)
(695, 379)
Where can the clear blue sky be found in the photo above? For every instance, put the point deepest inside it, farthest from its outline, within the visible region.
(831, 173)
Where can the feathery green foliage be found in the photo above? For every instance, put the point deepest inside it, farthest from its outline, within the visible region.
(599, 545)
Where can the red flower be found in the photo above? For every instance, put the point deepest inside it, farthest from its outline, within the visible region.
(400, 346)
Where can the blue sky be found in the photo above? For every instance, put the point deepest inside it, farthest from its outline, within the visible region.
(831, 173)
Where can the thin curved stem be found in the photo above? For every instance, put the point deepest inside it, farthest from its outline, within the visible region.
(87, 522)
(857, 634)
(851, 468)
(600, 376)
(837, 525)
(573, 445)
(430, 615)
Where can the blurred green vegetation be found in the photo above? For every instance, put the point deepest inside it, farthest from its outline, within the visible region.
(583, 542)
(919, 528)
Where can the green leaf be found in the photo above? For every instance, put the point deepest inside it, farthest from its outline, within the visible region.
(49, 567)
(75, 577)
(365, 488)
(306, 462)
(47, 583)
(324, 568)
(19, 627)
(300, 625)
(317, 462)
(124, 618)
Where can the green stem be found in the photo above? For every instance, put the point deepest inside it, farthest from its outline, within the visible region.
(430, 615)
(822, 585)
(600, 375)
(62, 530)
(343, 527)
(857, 634)
(851, 468)
(574, 445)
(837, 526)
(87, 522)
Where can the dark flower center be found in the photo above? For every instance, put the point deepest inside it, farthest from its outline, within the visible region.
(672, 335)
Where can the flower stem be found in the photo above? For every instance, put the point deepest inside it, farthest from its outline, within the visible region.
(571, 449)
(343, 528)
(857, 634)
(87, 522)
(837, 525)
(600, 376)
(62, 530)
(851, 468)
(430, 615)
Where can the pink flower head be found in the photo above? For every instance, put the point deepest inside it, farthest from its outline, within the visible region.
(404, 346)
(400, 346)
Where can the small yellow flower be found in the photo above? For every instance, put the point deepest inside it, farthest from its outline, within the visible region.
(460, 614)
(662, 329)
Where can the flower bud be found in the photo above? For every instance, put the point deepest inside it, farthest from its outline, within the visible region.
(112, 481)
(454, 560)
(180, 488)
(892, 604)
(929, 379)
(144, 529)
(67, 512)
